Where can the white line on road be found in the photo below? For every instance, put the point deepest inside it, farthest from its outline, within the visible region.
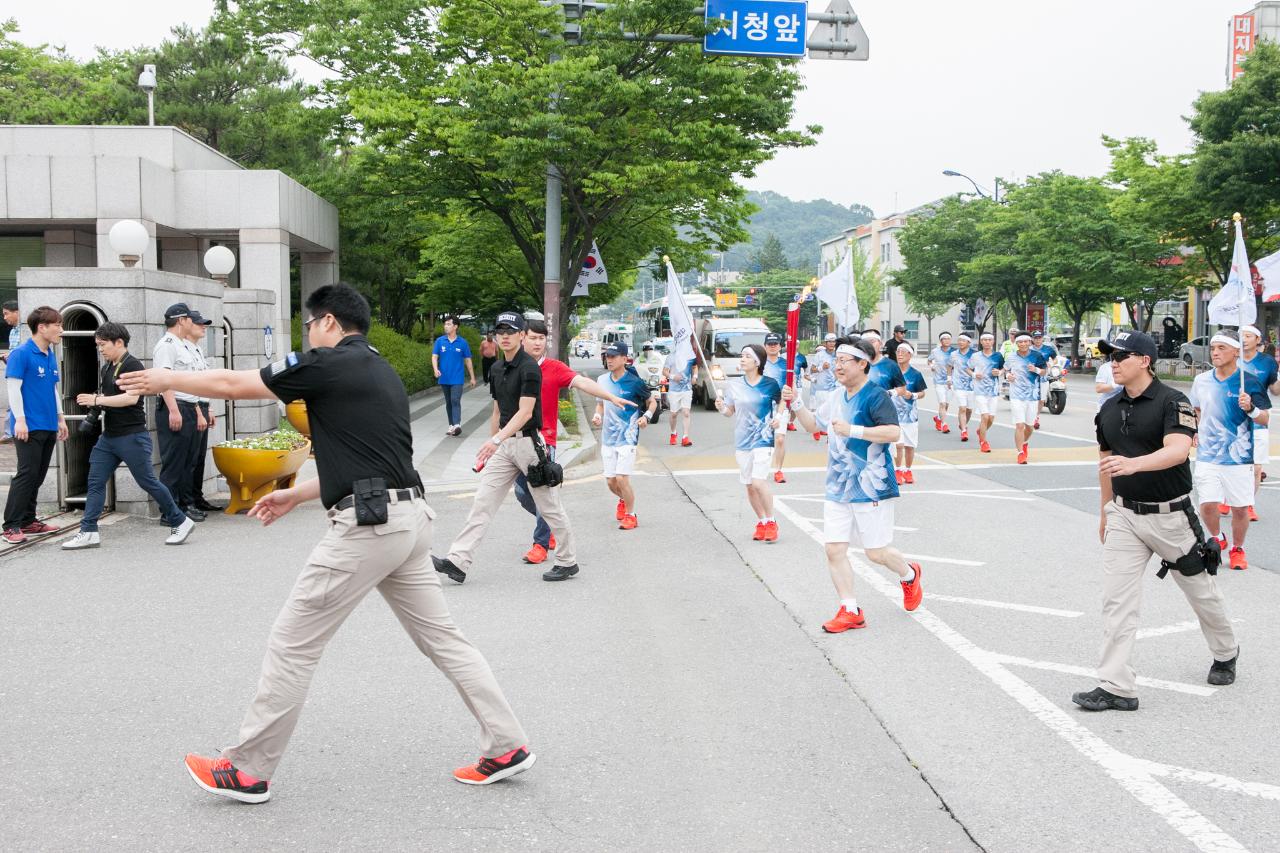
(1215, 780)
(1004, 605)
(1037, 432)
(1064, 489)
(1134, 775)
(950, 561)
(1090, 672)
(1175, 628)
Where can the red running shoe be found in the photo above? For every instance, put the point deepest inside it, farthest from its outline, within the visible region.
(536, 554)
(912, 592)
(771, 531)
(1223, 509)
(899, 477)
(908, 477)
(964, 435)
(621, 511)
(629, 522)
(673, 439)
(758, 536)
(791, 427)
(1253, 516)
(39, 528)
(844, 621)
(219, 776)
(686, 442)
(551, 545)
(1238, 560)
(937, 423)
(946, 430)
(817, 436)
(486, 771)
(778, 477)
(14, 536)
(1036, 425)
(1022, 457)
(984, 447)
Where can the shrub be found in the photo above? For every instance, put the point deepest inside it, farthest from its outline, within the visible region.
(470, 334)
(569, 416)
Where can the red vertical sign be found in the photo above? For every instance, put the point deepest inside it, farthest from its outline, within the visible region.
(1243, 37)
(1035, 316)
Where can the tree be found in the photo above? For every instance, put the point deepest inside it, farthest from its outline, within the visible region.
(868, 283)
(935, 247)
(470, 100)
(43, 85)
(770, 257)
(774, 291)
(799, 225)
(1000, 270)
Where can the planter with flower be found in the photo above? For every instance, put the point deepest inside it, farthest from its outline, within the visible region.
(259, 465)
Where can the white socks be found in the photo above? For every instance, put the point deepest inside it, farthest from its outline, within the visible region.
(850, 604)
(912, 576)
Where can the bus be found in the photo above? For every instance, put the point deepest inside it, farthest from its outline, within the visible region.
(614, 333)
(653, 320)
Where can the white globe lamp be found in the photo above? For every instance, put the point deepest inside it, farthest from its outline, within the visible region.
(219, 261)
(129, 240)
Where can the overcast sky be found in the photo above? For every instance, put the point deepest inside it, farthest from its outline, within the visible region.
(986, 87)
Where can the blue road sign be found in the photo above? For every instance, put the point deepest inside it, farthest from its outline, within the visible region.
(757, 27)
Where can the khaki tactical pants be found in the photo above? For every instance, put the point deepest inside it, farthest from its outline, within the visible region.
(348, 562)
(512, 458)
(1131, 539)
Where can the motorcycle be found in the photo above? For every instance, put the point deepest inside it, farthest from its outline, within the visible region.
(650, 370)
(1056, 376)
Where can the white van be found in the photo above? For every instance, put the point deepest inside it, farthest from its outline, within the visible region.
(722, 340)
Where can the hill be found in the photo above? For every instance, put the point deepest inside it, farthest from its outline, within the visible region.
(800, 225)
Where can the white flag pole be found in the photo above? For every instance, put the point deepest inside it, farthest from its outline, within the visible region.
(1246, 292)
(848, 305)
(674, 296)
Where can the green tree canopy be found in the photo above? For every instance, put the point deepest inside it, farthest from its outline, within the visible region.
(770, 257)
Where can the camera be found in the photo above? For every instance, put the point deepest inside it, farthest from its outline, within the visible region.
(92, 421)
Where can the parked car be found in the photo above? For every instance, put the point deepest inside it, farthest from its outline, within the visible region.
(1194, 352)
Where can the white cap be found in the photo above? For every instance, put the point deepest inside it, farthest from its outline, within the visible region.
(831, 336)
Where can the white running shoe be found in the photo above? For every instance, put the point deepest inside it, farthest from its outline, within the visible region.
(179, 534)
(83, 539)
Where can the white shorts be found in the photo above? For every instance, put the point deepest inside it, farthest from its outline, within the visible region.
(679, 401)
(618, 461)
(963, 399)
(943, 392)
(910, 434)
(1224, 484)
(1261, 446)
(863, 525)
(1044, 390)
(984, 405)
(753, 464)
(1024, 411)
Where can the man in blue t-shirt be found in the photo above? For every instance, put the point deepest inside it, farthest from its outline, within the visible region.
(939, 362)
(775, 368)
(861, 488)
(35, 420)
(884, 370)
(904, 401)
(620, 429)
(1264, 368)
(1049, 353)
(14, 321)
(449, 354)
(822, 374)
(680, 379)
(1023, 369)
(960, 374)
(986, 365)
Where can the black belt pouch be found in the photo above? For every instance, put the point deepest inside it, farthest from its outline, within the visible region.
(371, 501)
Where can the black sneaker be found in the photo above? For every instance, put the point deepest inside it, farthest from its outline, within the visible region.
(206, 507)
(1223, 672)
(194, 514)
(445, 567)
(1098, 699)
(560, 573)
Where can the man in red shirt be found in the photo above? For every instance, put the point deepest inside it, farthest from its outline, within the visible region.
(556, 376)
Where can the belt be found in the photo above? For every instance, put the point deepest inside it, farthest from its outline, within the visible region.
(1140, 508)
(393, 495)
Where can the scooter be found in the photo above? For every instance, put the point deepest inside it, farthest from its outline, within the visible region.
(1056, 376)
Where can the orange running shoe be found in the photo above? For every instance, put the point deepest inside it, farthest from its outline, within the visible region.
(629, 522)
(1036, 425)
(937, 423)
(1022, 457)
(1223, 509)
(844, 621)
(1238, 560)
(964, 435)
(219, 776)
(791, 427)
(817, 436)
(551, 545)
(984, 447)
(673, 439)
(771, 531)
(486, 771)
(758, 536)
(899, 477)
(536, 554)
(912, 592)
(908, 477)
(946, 429)
(1253, 515)
(686, 442)
(621, 511)
(778, 477)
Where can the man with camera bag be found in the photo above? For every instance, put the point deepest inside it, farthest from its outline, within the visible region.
(514, 448)
(122, 419)
(1144, 439)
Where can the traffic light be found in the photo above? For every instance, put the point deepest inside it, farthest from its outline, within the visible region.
(750, 298)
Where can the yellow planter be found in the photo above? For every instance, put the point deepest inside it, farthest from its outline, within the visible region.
(296, 414)
(252, 474)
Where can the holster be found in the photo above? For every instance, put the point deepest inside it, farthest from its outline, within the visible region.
(370, 499)
(544, 472)
(1204, 556)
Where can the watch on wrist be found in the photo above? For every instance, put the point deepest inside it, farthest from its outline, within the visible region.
(495, 440)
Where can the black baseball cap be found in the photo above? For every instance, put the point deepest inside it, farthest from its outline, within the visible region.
(618, 348)
(180, 309)
(1037, 333)
(899, 328)
(1135, 342)
(772, 338)
(510, 319)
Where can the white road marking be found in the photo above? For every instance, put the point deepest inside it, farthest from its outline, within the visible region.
(1136, 776)
(1175, 628)
(704, 472)
(950, 561)
(1036, 432)
(1064, 489)
(1004, 605)
(1090, 672)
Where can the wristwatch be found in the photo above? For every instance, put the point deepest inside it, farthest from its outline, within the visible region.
(495, 440)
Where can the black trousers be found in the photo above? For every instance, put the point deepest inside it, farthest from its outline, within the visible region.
(34, 455)
(197, 476)
(486, 364)
(178, 451)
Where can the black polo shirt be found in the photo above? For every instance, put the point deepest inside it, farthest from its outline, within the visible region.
(358, 411)
(511, 380)
(124, 420)
(1136, 426)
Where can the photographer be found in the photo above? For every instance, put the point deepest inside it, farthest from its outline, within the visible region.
(123, 421)
(1144, 439)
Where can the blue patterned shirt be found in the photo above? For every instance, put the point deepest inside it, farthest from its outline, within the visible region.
(753, 411)
(985, 368)
(961, 378)
(938, 361)
(824, 363)
(886, 374)
(859, 471)
(1226, 432)
(685, 383)
(1025, 384)
(906, 406)
(621, 425)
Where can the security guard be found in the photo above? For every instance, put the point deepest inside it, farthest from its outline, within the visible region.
(1144, 437)
(515, 382)
(181, 418)
(379, 536)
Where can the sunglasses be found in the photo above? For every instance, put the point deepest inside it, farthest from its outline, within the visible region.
(1120, 355)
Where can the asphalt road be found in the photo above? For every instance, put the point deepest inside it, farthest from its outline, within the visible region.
(679, 693)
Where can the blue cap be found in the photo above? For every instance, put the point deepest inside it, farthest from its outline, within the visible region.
(772, 338)
(618, 348)
(511, 319)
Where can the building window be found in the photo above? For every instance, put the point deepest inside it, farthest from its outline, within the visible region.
(913, 329)
(886, 252)
(16, 253)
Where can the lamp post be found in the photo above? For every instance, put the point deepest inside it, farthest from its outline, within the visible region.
(219, 261)
(995, 196)
(129, 240)
(147, 83)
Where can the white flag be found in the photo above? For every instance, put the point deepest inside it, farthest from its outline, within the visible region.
(1269, 269)
(836, 289)
(681, 319)
(593, 272)
(1234, 305)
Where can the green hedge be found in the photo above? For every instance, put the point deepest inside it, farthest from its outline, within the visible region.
(411, 359)
(470, 334)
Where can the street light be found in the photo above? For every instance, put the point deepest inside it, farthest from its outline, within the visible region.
(129, 240)
(219, 261)
(994, 197)
(147, 83)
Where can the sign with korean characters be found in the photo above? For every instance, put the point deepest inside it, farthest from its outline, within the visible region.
(756, 27)
(1243, 36)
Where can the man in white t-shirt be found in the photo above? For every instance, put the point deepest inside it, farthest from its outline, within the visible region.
(1104, 383)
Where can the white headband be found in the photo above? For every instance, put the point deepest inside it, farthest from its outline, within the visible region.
(964, 337)
(1020, 338)
(870, 333)
(749, 351)
(907, 346)
(1223, 339)
(856, 352)
(1252, 330)
(986, 335)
